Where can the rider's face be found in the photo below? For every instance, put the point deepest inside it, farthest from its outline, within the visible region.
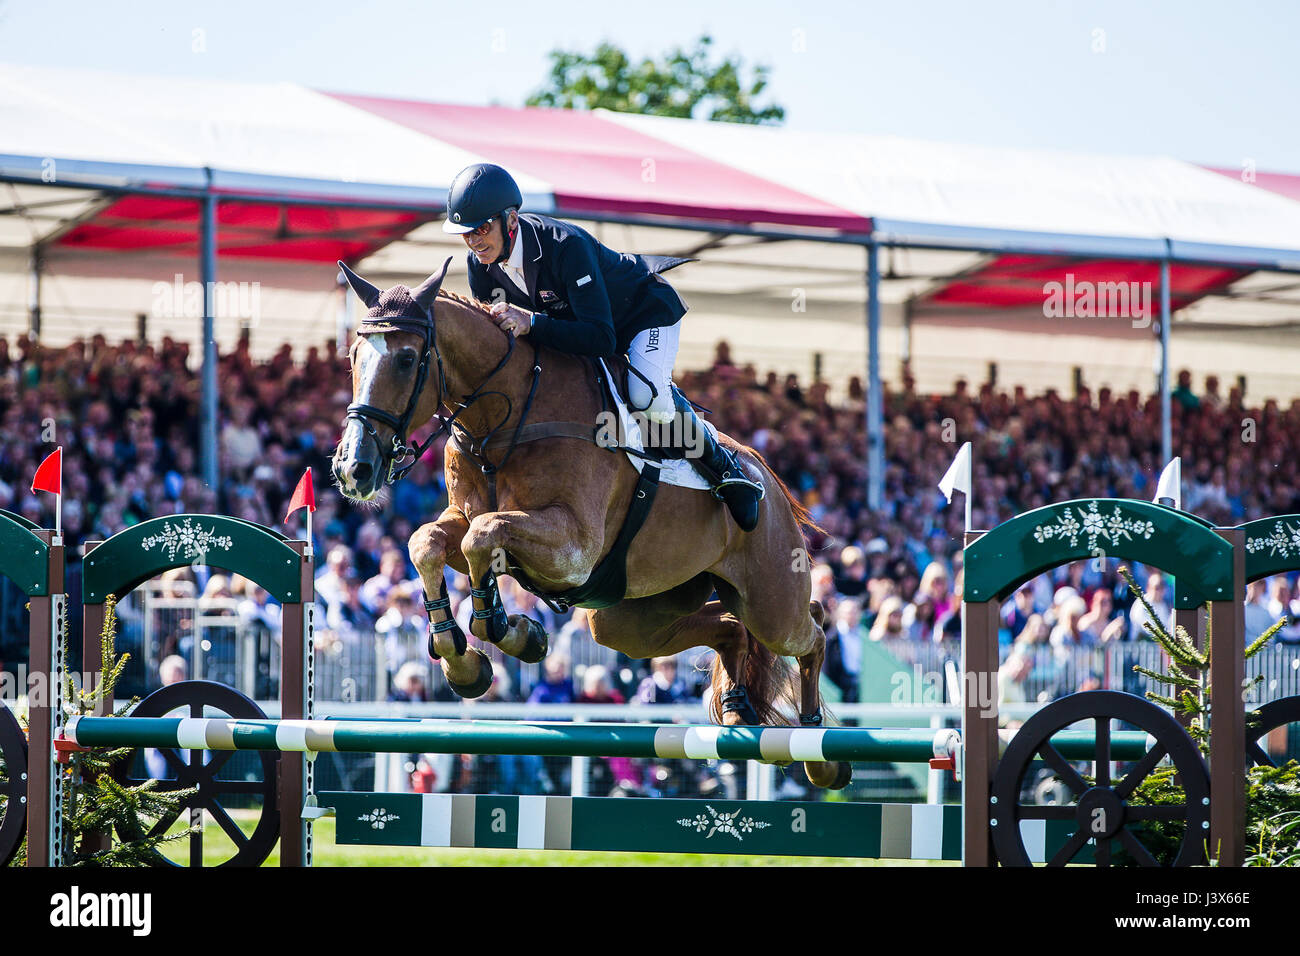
(486, 242)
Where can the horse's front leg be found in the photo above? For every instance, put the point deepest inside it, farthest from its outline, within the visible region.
(432, 547)
(549, 544)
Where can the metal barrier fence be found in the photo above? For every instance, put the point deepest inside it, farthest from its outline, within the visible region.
(218, 642)
(224, 639)
(1057, 672)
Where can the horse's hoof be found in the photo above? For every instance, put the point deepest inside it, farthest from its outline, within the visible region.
(838, 776)
(843, 776)
(481, 685)
(536, 644)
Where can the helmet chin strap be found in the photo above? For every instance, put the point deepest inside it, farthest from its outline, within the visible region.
(507, 240)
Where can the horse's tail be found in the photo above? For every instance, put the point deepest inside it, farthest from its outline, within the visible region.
(770, 681)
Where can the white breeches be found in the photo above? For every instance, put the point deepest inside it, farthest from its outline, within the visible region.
(652, 353)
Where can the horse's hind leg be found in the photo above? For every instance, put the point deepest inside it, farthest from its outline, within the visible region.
(733, 706)
(787, 624)
(832, 776)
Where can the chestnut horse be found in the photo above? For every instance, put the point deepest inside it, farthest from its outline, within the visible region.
(549, 509)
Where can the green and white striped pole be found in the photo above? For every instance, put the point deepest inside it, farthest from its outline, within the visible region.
(671, 741)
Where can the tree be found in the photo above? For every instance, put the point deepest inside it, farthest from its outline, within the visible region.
(682, 82)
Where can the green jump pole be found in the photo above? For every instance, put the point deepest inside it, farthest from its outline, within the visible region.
(894, 745)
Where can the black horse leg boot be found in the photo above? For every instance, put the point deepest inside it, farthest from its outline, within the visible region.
(717, 465)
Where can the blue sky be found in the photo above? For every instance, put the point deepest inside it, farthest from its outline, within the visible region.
(1213, 83)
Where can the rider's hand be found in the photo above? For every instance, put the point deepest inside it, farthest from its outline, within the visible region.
(510, 319)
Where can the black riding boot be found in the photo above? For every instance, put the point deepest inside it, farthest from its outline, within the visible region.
(717, 465)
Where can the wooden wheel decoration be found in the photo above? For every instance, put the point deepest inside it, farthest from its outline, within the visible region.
(1101, 810)
(1271, 716)
(201, 768)
(13, 785)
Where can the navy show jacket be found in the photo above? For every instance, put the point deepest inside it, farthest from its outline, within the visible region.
(587, 298)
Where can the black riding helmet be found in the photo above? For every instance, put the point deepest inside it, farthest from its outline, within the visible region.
(479, 193)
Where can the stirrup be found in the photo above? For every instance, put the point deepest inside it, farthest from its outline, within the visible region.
(732, 476)
(730, 480)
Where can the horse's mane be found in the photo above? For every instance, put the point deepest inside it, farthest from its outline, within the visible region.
(474, 305)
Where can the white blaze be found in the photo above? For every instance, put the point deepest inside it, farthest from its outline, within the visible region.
(370, 352)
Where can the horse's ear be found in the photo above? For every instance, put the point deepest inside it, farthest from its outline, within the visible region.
(428, 291)
(368, 294)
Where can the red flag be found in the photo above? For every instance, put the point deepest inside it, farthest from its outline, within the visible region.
(49, 475)
(304, 496)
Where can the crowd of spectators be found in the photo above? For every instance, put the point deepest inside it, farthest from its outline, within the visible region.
(126, 416)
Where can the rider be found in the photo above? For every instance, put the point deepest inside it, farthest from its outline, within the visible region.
(570, 292)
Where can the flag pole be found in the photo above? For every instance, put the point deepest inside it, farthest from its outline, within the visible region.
(58, 501)
(968, 496)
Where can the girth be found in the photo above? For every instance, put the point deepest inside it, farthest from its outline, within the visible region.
(607, 583)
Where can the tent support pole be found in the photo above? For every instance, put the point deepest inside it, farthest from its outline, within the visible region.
(875, 392)
(208, 401)
(1166, 427)
(34, 293)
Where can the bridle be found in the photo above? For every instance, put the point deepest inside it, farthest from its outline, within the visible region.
(366, 415)
(400, 448)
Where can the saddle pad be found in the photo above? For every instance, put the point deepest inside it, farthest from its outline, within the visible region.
(679, 472)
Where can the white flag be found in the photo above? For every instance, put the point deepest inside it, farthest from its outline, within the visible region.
(958, 476)
(1170, 484)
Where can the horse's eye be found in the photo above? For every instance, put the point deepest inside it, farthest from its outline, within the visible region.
(405, 360)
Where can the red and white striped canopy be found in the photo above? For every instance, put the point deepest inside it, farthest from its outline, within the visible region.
(349, 175)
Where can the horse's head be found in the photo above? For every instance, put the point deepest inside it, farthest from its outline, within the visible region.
(397, 383)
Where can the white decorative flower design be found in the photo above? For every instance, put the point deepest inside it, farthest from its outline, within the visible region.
(378, 818)
(1093, 524)
(730, 823)
(186, 540)
(1283, 541)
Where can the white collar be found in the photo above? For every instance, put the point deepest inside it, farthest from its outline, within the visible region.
(516, 260)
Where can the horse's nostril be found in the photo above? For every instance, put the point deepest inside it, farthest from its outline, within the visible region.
(361, 472)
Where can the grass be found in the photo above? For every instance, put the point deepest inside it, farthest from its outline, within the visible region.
(216, 848)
